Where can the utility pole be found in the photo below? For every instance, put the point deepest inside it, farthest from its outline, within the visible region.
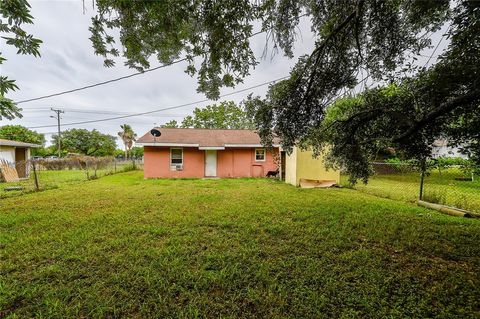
(57, 116)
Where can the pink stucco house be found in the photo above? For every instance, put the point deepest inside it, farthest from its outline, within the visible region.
(198, 153)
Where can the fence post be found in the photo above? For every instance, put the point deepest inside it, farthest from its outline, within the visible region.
(114, 165)
(133, 161)
(422, 178)
(35, 175)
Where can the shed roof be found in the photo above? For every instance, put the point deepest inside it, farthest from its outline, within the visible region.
(4, 142)
(202, 138)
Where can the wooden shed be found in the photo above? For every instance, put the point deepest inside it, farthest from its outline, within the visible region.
(16, 154)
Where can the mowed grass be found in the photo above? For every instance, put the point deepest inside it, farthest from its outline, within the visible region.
(440, 188)
(122, 246)
(49, 179)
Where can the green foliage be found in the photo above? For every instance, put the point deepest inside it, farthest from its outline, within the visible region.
(469, 167)
(218, 33)
(407, 117)
(46, 151)
(128, 137)
(92, 143)
(170, 124)
(347, 33)
(14, 14)
(63, 172)
(21, 134)
(119, 153)
(404, 185)
(436, 197)
(136, 152)
(231, 248)
(350, 37)
(423, 105)
(225, 115)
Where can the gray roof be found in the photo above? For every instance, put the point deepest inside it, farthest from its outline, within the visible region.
(17, 144)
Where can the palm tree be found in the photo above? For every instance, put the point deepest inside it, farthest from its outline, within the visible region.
(128, 136)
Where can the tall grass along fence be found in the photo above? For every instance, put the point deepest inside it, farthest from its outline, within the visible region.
(42, 174)
(450, 185)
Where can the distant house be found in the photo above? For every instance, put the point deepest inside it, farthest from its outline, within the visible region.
(198, 153)
(442, 148)
(17, 154)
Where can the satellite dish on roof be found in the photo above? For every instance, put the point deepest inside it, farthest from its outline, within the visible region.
(155, 132)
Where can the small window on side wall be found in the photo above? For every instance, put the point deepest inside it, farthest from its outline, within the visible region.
(176, 156)
(260, 155)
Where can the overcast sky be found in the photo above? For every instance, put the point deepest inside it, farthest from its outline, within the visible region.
(68, 62)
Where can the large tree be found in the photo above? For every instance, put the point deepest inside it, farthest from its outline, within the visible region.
(92, 143)
(381, 38)
(407, 116)
(21, 134)
(213, 37)
(427, 103)
(225, 115)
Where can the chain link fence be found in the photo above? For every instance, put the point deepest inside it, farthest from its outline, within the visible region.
(41, 174)
(449, 185)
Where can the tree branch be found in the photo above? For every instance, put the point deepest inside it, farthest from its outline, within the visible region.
(322, 46)
(443, 109)
(357, 27)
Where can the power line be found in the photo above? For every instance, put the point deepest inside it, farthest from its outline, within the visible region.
(438, 44)
(100, 83)
(167, 108)
(123, 77)
(184, 105)
(96, 112)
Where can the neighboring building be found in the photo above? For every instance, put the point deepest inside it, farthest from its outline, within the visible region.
(198, 153)
(17, 154)
(301, 167)
(441, 148)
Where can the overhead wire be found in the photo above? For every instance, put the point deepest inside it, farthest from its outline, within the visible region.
(123, 77)
(436, 47)
(184, 105)
(100, 83)
(96, 112)
(163, 109)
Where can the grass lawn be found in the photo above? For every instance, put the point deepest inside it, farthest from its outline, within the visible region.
(122, 246)
(49, 179)
(438, 188)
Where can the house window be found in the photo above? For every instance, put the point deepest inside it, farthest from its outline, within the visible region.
(176, 156)
(260, 155)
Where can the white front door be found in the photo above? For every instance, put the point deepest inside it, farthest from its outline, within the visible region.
(210, 163)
